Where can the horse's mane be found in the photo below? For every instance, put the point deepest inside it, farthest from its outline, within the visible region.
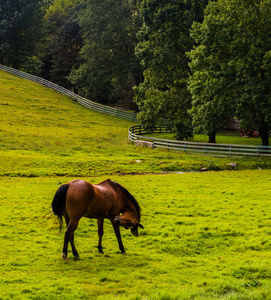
(131, 198)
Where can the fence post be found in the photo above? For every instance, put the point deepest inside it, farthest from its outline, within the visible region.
(154, 146)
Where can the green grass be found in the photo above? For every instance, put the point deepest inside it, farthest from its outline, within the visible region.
(206, 236)
(222, 137)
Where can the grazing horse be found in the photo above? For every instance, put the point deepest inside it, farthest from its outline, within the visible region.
(107, 199)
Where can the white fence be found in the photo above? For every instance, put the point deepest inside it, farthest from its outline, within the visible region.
(81, 100)
(137, 135)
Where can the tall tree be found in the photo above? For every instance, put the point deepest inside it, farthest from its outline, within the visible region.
(65, 49)
(21, 32)
(108, 66)
(231, 65)
(164, 39)
(64, 43)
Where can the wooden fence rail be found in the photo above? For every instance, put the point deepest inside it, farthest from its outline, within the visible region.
(137, 135)
(81, 100)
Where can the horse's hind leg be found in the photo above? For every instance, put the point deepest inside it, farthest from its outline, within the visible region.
(69, 237)
(74, 251)
(100, 223)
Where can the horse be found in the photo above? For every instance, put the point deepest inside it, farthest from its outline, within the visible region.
(107, 199)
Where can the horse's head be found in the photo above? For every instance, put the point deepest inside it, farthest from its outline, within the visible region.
(128, 220)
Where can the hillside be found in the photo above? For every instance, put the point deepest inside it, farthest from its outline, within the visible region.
(44, 133)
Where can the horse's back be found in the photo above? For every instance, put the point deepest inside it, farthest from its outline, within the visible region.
(105, 203)
(92, 201)
(78, 197)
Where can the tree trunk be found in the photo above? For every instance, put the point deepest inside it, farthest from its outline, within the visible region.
(264, 135)
(212, 137)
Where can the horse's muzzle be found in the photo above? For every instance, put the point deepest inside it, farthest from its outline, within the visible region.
(117, 220)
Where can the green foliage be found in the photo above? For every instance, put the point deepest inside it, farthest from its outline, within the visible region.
(231, 66)
(108, 67)
(164, 40)
(21, 33)
(64, 50)
(59, 12)
(64, 42)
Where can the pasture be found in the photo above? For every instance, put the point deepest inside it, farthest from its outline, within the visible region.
(206, 235)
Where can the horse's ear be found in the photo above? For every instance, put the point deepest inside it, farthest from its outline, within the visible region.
(139, 225)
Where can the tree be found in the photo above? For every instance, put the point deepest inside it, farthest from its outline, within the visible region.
(212, 103)
(64, 43)
(21, 33)
(164, 39)
(108, 66)
(231, 64)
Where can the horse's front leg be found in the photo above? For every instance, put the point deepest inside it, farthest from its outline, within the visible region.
(117, 232)
(100, 223)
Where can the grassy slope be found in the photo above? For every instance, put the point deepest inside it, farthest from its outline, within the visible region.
(43, 133)
(206, 236)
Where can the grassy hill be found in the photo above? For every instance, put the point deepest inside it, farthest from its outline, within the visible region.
(206, 235)
(44, 133)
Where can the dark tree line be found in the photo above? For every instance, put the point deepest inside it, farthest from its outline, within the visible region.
(22, 33)
(196, 63)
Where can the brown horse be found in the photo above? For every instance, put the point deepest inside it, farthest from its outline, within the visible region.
(107, 199)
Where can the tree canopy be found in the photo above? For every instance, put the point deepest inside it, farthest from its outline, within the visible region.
(164, 39)
(231, 66)
(108, 65)
(22, 29)
(64, 42)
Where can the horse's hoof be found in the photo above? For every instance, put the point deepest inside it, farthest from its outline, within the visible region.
(64, 256)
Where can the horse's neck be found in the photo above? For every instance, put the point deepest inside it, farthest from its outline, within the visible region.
(129, 208)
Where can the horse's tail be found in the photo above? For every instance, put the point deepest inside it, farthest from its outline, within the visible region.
(59, 203)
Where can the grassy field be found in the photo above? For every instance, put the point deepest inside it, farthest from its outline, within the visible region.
(206, 236)
(43, 133)
(222, 137)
